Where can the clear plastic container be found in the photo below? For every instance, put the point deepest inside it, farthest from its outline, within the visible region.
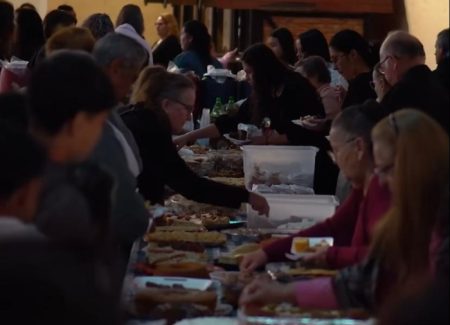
(293, 211)
(273, 165)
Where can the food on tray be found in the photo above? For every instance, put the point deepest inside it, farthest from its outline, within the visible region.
(168, 255)
(239, 135)
(287, 310)
(217, 163)
(232, 284)
(154, 296)
(233, 181)
(186, 269)
(209, 321)
(235, 256)
(198, 150)
(311, 272)
(205, 238)
(196, 221)
(302, 245)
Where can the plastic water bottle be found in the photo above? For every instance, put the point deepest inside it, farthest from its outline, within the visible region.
(205, 120)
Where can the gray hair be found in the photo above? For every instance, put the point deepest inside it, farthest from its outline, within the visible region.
(114, 46)
(402, 44)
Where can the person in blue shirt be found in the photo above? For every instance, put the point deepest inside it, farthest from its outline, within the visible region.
(196, 45)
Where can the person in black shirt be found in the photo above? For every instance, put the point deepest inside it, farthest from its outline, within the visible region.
(168, 46)
(163, 102)
(277, 93)
(442, 54)
(402, 61)
(353, 58)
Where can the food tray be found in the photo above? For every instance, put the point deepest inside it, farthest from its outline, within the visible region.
(244, 319)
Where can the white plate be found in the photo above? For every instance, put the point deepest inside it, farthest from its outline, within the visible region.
(236, 141)
(188, 283)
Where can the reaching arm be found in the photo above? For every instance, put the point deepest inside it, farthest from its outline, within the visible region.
(211, 131)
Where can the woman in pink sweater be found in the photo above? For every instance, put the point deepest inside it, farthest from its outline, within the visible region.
(406, 242)
(352, 224)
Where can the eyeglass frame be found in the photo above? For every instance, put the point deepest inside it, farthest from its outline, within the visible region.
(333, 155)
(188, 108)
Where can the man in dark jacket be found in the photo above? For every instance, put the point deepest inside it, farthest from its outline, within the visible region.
(402, 61)
(442, 54)
(122, 59)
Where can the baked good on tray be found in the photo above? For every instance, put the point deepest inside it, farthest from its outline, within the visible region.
(148, 298)
(211, 238)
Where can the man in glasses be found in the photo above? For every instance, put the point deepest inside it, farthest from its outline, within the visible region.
(402, 62)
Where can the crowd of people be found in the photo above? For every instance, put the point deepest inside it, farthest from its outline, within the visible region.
(91, 126)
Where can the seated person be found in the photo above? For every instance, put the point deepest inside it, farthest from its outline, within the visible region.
(163, 102)
(354, 222)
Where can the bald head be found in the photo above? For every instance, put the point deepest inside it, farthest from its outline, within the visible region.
(400, 52)
(403, 45)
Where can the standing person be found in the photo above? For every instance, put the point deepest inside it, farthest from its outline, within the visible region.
(53, 22)
(29, 36)
(70, 98)
(168, 46)
(34, 268)
(352, 225)
(196, 45)
(353, 58)
(163, 102)
(6, 30)
(281, 42)
(313, 42)
(69, 9)
(277, 93)
(442, 55)
(404, 247)
(99, 25)
(315, 69)
(132, 14)
(402, 61)
(70, 38)
(379, 83)
(122, 58)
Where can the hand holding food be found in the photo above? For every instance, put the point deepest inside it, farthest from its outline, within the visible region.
(262, 291)
(252, 261)
(259, 203)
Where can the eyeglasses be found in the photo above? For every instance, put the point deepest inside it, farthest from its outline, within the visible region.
(380, 69)
(333, 155)
(394, 124)
(383, 171)
(188, 108)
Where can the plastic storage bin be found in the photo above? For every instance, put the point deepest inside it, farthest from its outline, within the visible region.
(274, 165)
(293, 211)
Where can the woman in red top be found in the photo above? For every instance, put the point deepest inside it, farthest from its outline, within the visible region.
(352, 224)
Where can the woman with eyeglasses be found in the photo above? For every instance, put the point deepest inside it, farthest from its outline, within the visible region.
(163, 102)
(379, 83)
(353, 58)
(406, 244)
(353, 223)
